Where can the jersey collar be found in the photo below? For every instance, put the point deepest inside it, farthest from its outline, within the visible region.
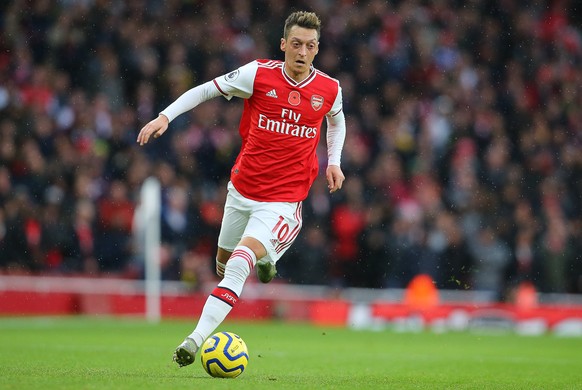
(303, 83)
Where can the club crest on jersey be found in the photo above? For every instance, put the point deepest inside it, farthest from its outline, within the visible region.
(232, 75)
(294, 98)
(316, 102)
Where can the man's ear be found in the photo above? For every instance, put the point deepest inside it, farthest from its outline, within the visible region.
(283, 44)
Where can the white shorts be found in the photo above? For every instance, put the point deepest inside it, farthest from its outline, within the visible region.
(274, 224)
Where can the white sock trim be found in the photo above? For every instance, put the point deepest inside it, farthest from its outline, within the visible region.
(246, 254)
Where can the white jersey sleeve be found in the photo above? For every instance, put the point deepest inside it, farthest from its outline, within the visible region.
(337, 104)
(190, 99)
(336, 131)
(239, 82)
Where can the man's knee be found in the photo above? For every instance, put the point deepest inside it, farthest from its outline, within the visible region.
(255, 245)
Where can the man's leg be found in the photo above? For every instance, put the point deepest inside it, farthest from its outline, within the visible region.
(283, 221)
(222, 299)
(222, 257)
(266, 270)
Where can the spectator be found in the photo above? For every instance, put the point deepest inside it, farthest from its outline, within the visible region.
(115, 218)
(456, 261)
(348, 222)
(491, 256)
(312, 254)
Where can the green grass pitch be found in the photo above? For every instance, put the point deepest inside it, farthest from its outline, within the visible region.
(107, 353)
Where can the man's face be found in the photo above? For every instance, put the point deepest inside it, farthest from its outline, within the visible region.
(300, 49)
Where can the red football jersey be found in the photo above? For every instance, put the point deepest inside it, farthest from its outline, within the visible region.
(280, 128)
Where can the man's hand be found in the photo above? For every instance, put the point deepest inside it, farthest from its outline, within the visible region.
(155, 127)
(335, 178)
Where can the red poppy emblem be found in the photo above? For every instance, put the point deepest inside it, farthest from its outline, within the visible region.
(294, 98)
(316, 102)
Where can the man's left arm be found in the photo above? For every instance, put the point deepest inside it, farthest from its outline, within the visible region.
(336, 134)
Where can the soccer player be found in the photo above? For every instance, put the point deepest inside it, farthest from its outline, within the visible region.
(284, 106)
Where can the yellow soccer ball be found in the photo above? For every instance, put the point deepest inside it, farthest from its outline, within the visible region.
(224, 355)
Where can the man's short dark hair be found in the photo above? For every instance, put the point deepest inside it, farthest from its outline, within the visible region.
(303, 19)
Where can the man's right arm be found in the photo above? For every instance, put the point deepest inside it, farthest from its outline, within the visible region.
(190, 99)
(187, 101)
(237, 83)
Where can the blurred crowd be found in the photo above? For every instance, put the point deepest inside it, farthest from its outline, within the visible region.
(463, 154)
